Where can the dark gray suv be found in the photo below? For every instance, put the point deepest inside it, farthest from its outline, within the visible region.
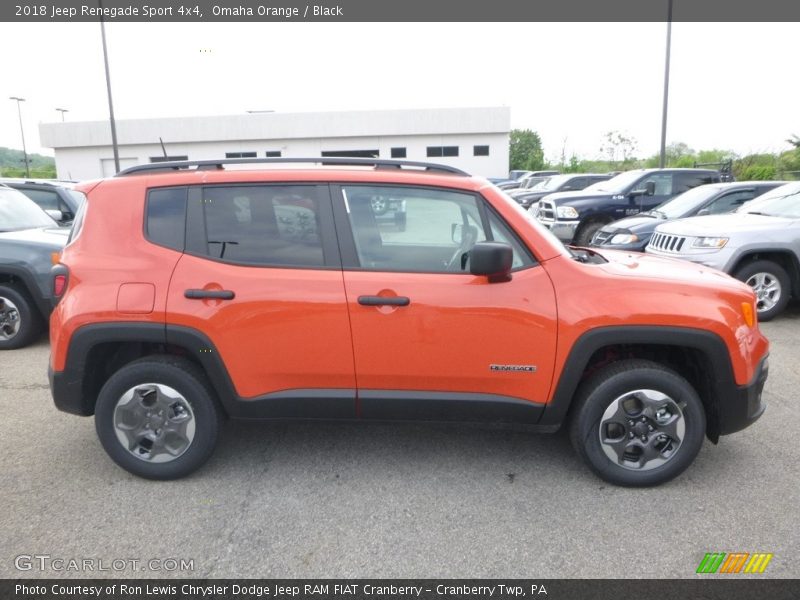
(28, 239)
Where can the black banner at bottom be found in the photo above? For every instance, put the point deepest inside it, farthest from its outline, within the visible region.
(733, 588)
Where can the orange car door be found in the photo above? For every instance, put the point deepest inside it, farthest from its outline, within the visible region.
(431, 340)
(262, 279)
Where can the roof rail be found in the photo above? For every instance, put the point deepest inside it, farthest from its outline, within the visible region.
(211, 164)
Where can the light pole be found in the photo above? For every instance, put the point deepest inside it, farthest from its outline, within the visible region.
(22, 132)
(662, 156)
(108, 86)
(62, 111)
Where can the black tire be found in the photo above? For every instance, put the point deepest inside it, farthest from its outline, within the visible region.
(586, 232)
(194, 389)
(20, 321)
(772, 298)
(604, 390)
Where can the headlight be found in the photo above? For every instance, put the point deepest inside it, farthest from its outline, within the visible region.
(710, 242)
(567, 212)
(624, 238)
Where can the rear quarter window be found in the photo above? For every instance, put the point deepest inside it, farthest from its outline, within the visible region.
(165, 218)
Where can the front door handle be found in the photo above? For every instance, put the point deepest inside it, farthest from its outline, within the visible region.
(383, 301)
(204, 294)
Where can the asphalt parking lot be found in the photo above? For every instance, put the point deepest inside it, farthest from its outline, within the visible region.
(351, 500)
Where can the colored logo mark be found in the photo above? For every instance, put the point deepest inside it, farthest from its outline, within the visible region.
(735, 562)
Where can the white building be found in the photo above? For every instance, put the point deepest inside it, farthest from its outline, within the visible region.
(473, 139)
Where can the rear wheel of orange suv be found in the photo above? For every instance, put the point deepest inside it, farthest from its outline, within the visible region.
(637, 423)
(157, 418)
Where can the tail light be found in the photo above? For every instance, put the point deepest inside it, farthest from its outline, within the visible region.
(60, 274)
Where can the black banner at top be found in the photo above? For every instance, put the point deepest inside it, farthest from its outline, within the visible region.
(399, 10)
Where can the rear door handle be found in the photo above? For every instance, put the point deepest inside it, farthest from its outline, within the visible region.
(203, 294)
(383, 301)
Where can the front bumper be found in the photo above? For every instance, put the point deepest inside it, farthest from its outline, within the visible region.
(743, 406)
(67, 392)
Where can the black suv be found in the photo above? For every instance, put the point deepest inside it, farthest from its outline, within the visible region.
(634, 233)
(577, 216)
(56, 198)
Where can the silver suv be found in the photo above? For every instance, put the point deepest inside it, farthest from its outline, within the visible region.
(758, 244)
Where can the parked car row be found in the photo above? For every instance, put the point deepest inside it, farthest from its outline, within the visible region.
(758, 244)
(681, 213)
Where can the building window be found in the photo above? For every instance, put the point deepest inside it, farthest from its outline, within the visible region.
(480, 150)
(158, 159)
(352, 153)
(442, 151)
(272, 153)
(240, 155)
(398, 152)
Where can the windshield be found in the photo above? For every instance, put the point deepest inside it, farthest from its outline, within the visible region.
(532, 182)
(681, 205)
(17, 211)
(783, 201)
(616, 185)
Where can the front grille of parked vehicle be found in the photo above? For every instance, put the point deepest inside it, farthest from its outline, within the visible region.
(602, 237)
(547, 211)
(667, 243)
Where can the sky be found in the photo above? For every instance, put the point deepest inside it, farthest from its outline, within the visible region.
(733, 86)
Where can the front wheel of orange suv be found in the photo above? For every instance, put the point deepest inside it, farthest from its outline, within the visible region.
(157, 417)
(637, 423)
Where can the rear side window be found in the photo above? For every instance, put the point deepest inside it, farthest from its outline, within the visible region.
(687, 181)
(166, 217)
(266, 225)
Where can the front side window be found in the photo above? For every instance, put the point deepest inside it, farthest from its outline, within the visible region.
(662, 181)
(421, 230)
(268, 225)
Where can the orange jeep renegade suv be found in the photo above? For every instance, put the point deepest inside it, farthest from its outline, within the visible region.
(189, 291)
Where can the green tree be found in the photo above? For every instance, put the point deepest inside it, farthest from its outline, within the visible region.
(756, 167)
(526, 150)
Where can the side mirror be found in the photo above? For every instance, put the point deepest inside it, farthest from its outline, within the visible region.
(650, 188)
(492, 259)
(56, 215)
(703, 212)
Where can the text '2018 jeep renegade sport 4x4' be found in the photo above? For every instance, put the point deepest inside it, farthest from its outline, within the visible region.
(195, 293)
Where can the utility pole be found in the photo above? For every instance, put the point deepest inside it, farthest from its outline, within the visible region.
(22, 132)
(62, 111)
(663, 157)
(108, 86)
